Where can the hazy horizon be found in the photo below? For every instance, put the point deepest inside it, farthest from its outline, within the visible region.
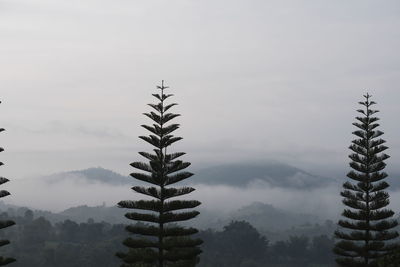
(58, 193)
(256, 81)
(275, 80)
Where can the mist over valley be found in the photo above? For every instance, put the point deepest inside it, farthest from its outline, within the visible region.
(270, 195)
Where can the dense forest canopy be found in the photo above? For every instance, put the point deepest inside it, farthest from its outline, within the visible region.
(39, 243)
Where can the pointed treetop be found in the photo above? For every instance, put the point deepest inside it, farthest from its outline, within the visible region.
(162, 87)
(367, 96)
(367, 103)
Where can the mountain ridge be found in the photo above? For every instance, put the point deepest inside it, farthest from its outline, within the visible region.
(237, 175)
(274, 174)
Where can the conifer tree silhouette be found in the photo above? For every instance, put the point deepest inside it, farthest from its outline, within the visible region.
(167, 244)
(366, 229)
(6, 223)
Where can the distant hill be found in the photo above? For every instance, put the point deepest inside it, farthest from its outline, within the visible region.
(265, 216)
(238, 175)
(261, 215)
(97, 213)
(274, 174)
(91, 175)
(274, 223)
(78, 214)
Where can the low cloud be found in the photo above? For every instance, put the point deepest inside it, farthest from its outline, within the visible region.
(324, 202)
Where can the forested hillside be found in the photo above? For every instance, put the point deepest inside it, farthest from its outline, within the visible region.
(39, 243)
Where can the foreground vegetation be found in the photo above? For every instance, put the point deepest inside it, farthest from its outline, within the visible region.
(37, 242)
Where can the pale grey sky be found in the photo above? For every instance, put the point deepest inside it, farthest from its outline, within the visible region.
(255, 79)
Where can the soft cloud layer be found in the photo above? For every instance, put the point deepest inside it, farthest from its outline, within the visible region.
(37, 193)
(254, 79)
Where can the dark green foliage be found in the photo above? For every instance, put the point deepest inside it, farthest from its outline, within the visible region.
(165, 243)
(4, 223)
(391, 260)
(242, 240)
(88, 244)
(39, 243)
(240, 244)
(321, 250)
(366, 229)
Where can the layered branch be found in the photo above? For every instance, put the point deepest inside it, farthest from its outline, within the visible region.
(167, 245)
(367, 221)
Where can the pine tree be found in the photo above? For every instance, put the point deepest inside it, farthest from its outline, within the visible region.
(366, 230)
(167, 244)
(7, 223)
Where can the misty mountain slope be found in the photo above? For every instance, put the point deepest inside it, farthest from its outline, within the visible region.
(262, 216)
(274, 174)
(242, 174)
(97, 213)
(266, 216)
(90, 175)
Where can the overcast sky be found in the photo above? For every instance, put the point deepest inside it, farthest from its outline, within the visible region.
(255, 79)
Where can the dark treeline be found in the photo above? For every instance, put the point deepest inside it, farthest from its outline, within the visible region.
(38, 242)
(240, 244)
